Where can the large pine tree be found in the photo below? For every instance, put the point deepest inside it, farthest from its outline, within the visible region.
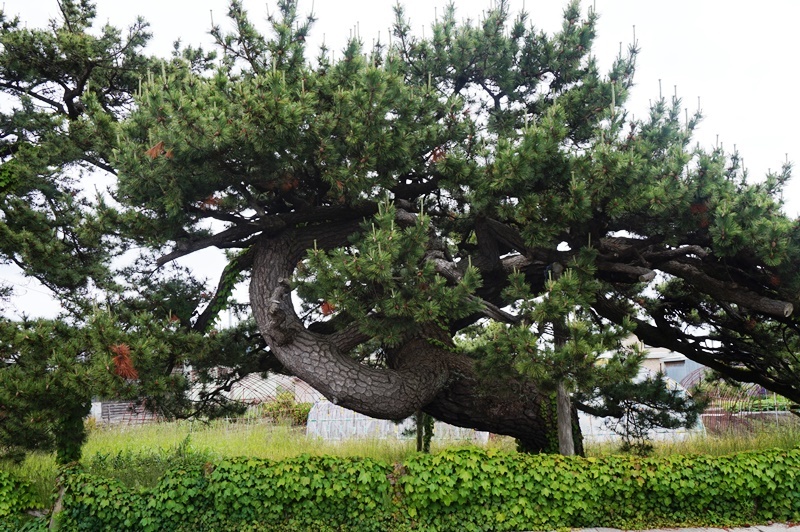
(467, 220)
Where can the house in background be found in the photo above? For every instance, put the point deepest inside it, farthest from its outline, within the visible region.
(681, 373)
(674, 365)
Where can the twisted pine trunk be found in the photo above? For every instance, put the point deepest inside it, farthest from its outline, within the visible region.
(421, 374)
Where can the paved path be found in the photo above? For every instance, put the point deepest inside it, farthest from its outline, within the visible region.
(760, 528)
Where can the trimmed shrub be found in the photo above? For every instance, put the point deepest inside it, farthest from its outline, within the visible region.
(467, 489)
(471, 488)
(283, 409)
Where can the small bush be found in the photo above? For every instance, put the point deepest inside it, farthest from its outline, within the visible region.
(284, 409)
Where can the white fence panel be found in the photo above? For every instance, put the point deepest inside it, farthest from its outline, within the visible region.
(334, 423)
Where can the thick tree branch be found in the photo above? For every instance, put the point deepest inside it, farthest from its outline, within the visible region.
(507, 235)
(348, 338)
(224, 287)
(272, 225)
(662, 334)
(450, 271)
(727, 291)
(670, 254)
(641, 274)
(410, 191)
(588, 409)
(238, 232)
(94, 161)
(36, 96)
(496, 313)
(383, 393)
(217, 215)
(421, 373)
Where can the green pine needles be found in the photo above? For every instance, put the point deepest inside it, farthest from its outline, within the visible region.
(385, 281)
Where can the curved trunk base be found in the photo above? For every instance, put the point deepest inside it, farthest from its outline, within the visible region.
(423, 374)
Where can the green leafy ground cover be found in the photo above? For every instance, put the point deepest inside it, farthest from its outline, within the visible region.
(461, 489)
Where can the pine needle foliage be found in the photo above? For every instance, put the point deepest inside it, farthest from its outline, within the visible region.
(476, 203)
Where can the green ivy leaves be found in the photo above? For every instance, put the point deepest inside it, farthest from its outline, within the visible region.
(15, 496)
(465, 489)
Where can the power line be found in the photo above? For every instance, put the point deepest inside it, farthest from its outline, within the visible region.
(48, 294)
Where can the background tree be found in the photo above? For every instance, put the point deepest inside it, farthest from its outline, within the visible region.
(43, 399)
(65, 87)
(62, 88)
(126, 350)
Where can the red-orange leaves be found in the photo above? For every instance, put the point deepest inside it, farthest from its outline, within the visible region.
(698, 208)
(158, 150)
(327, 308)
(123, 365)
(290, 184)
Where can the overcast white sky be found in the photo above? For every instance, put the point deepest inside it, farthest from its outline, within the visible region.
(740, 58)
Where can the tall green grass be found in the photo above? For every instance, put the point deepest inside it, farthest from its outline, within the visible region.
(758, 437)
(767, 436)
(220, 439)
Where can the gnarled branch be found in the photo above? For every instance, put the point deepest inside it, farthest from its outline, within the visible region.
(726, 291)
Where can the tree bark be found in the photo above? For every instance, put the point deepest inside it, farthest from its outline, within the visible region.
(421, 375)
(566, 444)
(316, 358)
(728, 291)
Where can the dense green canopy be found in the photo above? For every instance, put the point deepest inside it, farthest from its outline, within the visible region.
(467, 220)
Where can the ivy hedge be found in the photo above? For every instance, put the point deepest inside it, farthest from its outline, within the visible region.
(15, 496)
(466, 489)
